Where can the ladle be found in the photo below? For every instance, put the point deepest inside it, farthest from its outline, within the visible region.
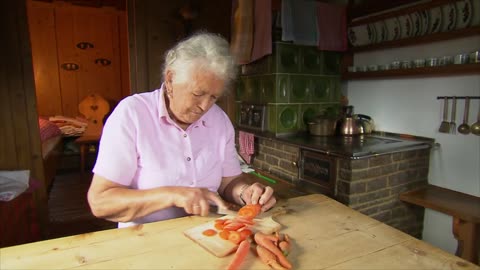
(464, 128)
(476, 126)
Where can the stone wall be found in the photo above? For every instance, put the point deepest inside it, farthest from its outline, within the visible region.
(372, 187)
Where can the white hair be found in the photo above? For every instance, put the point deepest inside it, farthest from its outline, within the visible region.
(206, 50)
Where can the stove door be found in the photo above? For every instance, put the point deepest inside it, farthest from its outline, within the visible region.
(318, 171)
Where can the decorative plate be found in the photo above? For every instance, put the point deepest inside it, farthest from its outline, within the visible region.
(406, 26)
(464, 13)
(393, 28)
(435, 20)
(361, 35)
(416, 23)
(475, 13)
(449, 17)
(380, 31)
(424, 22)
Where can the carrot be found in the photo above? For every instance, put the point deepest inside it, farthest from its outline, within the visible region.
(285, 244)
(240, 255)
(267, 241)
(224, 234)
(234, 226)
(269, 258)
(209, 232)
(234, 237)
(250, 211)
(219, 226)
(245, 233)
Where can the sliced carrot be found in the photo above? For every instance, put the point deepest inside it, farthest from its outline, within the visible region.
(244, 220)
(224, 234)
(234, 237)
(219, 226)
(234, 226)
(220, 221)
(250, 211)
(240, 255)
(245, 233)
(209, 232)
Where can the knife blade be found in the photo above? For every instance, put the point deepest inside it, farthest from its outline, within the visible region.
(222, 211)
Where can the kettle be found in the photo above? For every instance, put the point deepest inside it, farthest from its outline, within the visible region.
(366, 123)
(349, 124)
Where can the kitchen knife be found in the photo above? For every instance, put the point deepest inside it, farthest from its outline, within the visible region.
(222, 211)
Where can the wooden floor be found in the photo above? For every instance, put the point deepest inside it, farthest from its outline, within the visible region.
(69, 213)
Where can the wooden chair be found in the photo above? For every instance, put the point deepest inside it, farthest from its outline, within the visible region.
(94, 108)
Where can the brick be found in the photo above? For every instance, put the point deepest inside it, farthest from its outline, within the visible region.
(288, 166)
(357, 187)
(409, 154)
(372, 196)
(380, 160)
(271, 160)
(376, 184)
(343, 187)
(397, 156)
(382, 216)
(359, 175)
(374, 172)
(389, 169)
(291, 149)
(369, 211)
(344, 164)
(397, 179)
(345, 174)
(403, 165)
(359, 164)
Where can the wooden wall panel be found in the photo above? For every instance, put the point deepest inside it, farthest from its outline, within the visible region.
(20, 126)
(44, 53)
(72, 25)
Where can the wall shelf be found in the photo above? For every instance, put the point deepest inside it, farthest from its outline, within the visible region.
(449, 70)
(466, 32)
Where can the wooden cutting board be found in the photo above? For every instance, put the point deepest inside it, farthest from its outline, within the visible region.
(220, 247)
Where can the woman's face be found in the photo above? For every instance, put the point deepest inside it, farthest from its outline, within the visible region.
(192, 97)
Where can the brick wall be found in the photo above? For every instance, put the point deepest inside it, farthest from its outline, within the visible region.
(277, 158)
(372, 186)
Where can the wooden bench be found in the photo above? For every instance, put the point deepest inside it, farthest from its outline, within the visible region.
(465, 210)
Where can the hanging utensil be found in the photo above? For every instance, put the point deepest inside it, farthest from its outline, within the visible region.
(476, 126)
(464, 128)
(445, 125)
(453, 125)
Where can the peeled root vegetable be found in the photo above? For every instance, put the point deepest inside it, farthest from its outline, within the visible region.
(240, 255)
(269, 258)
(269, 242)
(285, 245)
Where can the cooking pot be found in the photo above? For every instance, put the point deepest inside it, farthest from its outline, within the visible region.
(322, 126)
(349, 124)
(366, 123)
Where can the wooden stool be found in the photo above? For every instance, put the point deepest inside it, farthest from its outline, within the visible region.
(465, 210)
(84, 142)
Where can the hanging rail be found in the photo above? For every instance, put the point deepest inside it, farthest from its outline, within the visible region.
(459, 97)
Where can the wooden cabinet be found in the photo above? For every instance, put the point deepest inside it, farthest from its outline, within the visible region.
(361, 12)
(77, 51)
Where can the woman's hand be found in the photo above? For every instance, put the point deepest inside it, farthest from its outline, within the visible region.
(196, 201)
(258, 193)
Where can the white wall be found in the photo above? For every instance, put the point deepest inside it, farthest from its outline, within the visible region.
(410, 106)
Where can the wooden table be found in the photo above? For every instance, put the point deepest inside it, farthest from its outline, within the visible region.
(465, 210)
(326, 234)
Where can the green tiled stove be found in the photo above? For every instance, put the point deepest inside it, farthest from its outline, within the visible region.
(282, 92)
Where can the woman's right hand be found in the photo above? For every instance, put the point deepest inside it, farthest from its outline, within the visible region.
(196, 201)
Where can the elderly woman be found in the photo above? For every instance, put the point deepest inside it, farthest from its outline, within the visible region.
(171, 152)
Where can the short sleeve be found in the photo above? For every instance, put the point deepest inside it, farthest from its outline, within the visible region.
(231, 164)
(117, 157)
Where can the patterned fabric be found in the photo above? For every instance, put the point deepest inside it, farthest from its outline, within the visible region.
(246, 141)
(332, 27)
(47, 129)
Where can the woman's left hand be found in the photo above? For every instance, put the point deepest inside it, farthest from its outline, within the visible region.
(259, 194)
